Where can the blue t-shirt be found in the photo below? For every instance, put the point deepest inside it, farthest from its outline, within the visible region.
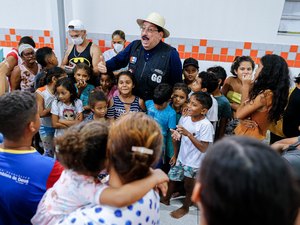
(170, 147)
(166, 118)
(24, 177)
(224, 109)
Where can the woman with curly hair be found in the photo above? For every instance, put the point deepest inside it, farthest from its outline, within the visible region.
(264, 99)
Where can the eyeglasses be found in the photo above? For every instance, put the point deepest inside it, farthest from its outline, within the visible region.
(148, 30)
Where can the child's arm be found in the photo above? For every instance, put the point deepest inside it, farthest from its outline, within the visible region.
(246, 108)
(68, 123)
(4, 68)
(142, 104)
(40, 102)
(132, 192)
(200, 145)
(176, 150)
(56, 124)
(15, 78)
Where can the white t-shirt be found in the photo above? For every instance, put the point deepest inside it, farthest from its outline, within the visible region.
(108, 54)
(66, 112)
(145, 211)
(70, 192)
(202, 130)
(212, 114)
(48, 99)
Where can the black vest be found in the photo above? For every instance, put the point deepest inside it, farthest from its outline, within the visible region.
(149, 74)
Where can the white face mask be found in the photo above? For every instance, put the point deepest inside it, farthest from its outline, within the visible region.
(118, 47)
(77, 41)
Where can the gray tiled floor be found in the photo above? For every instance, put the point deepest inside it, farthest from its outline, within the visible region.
(192, 218)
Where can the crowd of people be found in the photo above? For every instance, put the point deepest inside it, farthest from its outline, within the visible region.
(107, 129)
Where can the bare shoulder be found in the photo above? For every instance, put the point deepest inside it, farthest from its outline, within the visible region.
(230, 80)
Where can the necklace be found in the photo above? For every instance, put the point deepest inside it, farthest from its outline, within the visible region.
(77, 51)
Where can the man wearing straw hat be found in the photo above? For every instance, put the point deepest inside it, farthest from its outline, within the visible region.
(149, 59)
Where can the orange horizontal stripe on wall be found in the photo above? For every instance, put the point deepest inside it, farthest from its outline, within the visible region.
(10, 38)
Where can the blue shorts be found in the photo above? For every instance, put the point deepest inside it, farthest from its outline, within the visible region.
(179, 171)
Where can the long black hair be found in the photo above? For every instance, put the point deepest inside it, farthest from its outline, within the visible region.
(274, 76)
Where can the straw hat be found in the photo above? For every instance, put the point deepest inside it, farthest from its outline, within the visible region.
(156, 19)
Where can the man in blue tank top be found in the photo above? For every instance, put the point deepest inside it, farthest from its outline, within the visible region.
(151, 60)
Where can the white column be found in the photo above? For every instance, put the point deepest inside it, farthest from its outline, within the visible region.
(59, 28)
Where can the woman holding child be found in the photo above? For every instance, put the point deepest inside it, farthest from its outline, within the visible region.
(264, 99)
(129, 159)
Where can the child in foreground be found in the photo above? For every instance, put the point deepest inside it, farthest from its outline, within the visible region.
(82, 74)
(45, 95)
(195, 132)
(125, 102)
(67, 109)
(98, 106)
(178, 102)
(160, 110)
(82, 151)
